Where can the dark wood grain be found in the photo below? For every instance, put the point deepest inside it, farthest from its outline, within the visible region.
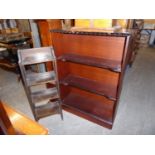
(91, 118)
(93, 73)
(105, 47)
(46, 36)
(91, 70)
(92, 61)
(88, 106)
(104, 89)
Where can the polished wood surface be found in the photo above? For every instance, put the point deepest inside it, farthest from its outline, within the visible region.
(93, 86)
(92, 61)
(46, 36)
(110, 48)
(44, 30)
(6, 127)
(13, 122)
(97, 108)
(101, 75)
(91, 69)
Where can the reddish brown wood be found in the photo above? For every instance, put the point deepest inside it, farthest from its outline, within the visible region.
(13, 122)
(96, 110)
(90, 86)
(103, 89)
(44, 27)
(44, 30)
(92, 61)
(83, 104)
(125, 61)
(6, 126)
(91, 118)
(93, 73)
(110, 48)
(87, 94)
(101, 99)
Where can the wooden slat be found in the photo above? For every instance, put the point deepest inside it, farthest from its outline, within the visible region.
(50, 93)
(48, 109)
(40, 78)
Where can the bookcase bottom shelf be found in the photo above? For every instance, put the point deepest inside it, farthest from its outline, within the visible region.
(74, 104)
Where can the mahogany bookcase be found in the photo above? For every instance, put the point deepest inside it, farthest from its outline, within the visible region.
(91, 67)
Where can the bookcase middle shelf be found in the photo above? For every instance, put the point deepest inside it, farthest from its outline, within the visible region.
(104, 89)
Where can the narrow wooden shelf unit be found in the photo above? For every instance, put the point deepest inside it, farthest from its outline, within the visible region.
(91, 68)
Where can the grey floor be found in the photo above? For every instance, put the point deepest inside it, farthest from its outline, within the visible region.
(136, 111)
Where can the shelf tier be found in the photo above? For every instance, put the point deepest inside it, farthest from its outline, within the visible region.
(48, 109)
(90, 109)
(46, 94)
(35, 60)
(92, 61)
(35, 55)
(40, 78)
(92, 86)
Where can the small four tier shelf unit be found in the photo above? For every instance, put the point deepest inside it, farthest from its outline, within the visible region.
(91, 67)
(43, 101)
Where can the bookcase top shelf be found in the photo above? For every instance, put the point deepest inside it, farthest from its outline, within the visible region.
(112, 65)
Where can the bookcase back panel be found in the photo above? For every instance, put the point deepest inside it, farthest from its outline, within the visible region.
(94, 73)
(95, 46)
(102, 107)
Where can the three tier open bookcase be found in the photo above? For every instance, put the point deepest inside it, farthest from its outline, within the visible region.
(91, 67)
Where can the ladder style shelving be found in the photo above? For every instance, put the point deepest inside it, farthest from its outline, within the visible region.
(43, 101)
